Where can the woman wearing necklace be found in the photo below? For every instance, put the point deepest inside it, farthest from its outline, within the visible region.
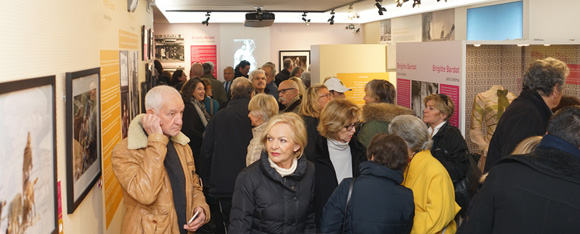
(337, 152)
(433, 191)
(195, 116)
(274, 194)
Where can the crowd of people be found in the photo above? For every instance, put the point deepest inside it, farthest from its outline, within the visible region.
(267, 153)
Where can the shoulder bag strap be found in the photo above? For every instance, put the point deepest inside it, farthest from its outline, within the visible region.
(347, 201)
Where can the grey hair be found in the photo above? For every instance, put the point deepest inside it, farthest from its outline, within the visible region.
(412, 130)
(565, 124)
(272, 68)
(543, 75)
(288, 63)
(242, 87)
(255, 72)
(154, 98)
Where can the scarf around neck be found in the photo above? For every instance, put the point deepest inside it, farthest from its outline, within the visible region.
(200, 108)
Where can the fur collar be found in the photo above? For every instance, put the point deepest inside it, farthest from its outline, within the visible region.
(137, 138)
(384, 112)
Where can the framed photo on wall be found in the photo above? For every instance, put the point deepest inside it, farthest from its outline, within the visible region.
(28, 195)
(300, 57)
(83, 134)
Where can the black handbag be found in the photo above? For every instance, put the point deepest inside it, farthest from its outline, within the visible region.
(466, 188)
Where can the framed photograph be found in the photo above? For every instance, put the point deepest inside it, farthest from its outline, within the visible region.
(83, 134)
(28, 195)
(300, 57)
(144, 43)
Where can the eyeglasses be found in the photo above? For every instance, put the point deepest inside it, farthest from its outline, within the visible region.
(284, 90)
(350, 127)
(328, 95)
(445, 98)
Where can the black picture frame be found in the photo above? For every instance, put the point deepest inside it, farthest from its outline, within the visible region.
(28, 150)
(300, 58)
(83, 134)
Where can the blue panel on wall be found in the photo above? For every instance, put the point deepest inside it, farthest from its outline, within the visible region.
(497, 22)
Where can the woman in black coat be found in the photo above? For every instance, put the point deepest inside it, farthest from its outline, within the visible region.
(378, 203)
(274, 194)
(337, 152)
(195, 116)
(315, 98)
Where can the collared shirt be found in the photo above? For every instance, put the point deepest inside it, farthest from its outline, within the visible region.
(433, 131)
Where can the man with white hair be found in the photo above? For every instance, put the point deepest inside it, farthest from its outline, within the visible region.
(155, 168)
(271, 87)
(217, 89)
(258, 79)
(289, 97)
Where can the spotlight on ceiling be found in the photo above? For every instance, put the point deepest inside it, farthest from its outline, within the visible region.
(307, 21)
(380, 7)
(416, 3)
(400, 2)
(206, 21)
(331, 20)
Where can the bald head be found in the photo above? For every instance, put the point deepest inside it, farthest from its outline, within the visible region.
(288, 90)
(196, 70)
(155, 97)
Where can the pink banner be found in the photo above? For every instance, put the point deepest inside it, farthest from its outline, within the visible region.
(204, 53)
(404, 93)
(452, 92)
(574, 77)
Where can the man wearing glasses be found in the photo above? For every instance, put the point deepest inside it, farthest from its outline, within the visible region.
(288, 96)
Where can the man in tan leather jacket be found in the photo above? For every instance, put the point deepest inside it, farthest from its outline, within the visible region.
(159, 197)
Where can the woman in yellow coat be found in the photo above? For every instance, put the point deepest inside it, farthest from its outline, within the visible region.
(433, 191)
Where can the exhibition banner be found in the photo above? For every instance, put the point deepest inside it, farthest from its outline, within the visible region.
(357, 82)
(430, 68)
(205, 53)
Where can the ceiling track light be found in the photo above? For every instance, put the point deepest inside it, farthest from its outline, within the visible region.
(331, 20)
(416, 3)
(380, 7)
(206, 21)
(400, 2)
(307, 21)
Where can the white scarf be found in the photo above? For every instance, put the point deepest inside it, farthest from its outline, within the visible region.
(283, 171)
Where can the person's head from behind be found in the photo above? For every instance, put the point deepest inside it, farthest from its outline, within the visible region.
(258, 78)
(413, 131)
(262, 107)
(287, 91)
(179, 76)
(288, 64)
(244, 67)
(284, 138)
(314, 100)
(565, 124)
(158, 66)
(166, 103)
(566, 101)
(228, 73)
(193, 89)
(379, 91)
(438, 108)
(196, 70)
(306, 78)
(207, 68)
(296, 71)
(300, 83)
(270, 71)
(208, 88)
(336, 87)
(242, 88)
(547, 77)
(338, 120)
(388, 150)
(528, 145)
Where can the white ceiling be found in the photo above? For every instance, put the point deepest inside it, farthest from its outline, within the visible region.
(290, 11)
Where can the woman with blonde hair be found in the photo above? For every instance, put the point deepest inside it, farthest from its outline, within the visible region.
(315, 99)
(301, 86)
(262, 107)
(275, 194)
(337, 153)
(433, 191)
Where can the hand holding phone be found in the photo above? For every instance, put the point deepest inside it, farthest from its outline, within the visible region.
(193, 218)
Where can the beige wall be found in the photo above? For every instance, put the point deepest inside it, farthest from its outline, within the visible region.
(329, 60)
(372, 32)
(41, 38)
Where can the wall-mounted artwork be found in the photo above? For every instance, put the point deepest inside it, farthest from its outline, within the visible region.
(83, 133)
(28, 201)
(169, 48)
(145, 46)
(300, 58)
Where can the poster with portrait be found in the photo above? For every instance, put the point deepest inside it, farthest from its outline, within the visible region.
(385, 30)
(420, 90)
(28, 200)
(169, 48)
(245, 51)
(132, 63)
(124, 81)
(439, 25)
(83, 133)
(300, 58)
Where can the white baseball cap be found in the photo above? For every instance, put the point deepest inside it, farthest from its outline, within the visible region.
(334, 84)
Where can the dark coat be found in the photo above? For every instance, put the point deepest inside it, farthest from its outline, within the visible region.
(281, 76)
(264, 202)
(450, 148)
(526, 116)
(325, 173)
(311, 124)
(224, 148)
(193, 128)
(378, 204)
(533, 193)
